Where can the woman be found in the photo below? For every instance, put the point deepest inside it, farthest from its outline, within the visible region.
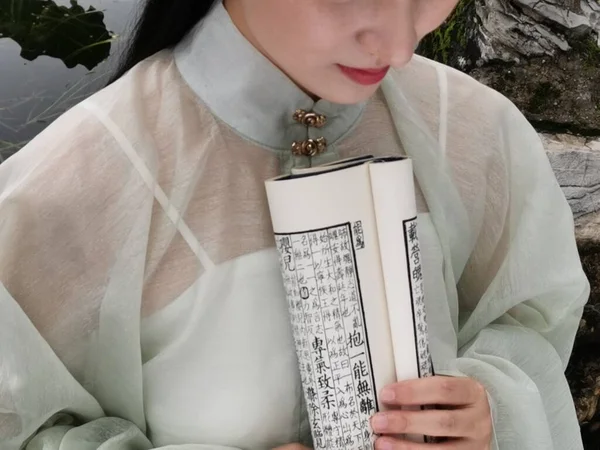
(141, 302)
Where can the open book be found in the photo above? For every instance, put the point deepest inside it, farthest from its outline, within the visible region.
(351, 265)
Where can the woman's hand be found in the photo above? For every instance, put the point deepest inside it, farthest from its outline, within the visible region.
(465, 418)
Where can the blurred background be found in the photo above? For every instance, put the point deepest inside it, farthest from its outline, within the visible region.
(544, 55)
(52, 55)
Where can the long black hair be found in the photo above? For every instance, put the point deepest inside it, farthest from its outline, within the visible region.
(160, 24)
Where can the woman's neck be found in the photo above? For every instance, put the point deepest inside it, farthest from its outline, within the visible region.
(234, 9)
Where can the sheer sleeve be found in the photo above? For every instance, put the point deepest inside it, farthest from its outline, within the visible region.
(74, 230)
(66, 224)
(522, 296)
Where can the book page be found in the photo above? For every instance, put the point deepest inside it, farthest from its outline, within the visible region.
(396, 214)
(413, 258)
(328, 320)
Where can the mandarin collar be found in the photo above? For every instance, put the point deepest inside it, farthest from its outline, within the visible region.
(245, 90)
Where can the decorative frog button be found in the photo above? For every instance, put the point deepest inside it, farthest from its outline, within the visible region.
(310, 119)
(309, 147)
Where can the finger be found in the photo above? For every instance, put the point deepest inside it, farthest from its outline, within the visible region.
(436, 390)
(433, 422)
(387, 443)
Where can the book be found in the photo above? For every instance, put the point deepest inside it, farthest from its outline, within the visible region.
(346, 234)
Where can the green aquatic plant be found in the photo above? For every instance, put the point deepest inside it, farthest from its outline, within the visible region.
(41, 27)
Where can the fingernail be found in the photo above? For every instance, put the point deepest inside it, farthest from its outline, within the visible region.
(388, 395)
(383, 444)
(379, 422)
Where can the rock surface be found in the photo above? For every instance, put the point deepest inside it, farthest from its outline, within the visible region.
(513, 29)
(557, 95)
(544, 55)
(576, 163)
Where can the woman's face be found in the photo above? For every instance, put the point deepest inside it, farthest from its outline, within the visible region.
(318, 43)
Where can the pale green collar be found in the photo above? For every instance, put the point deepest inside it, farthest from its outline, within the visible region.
(245, 90)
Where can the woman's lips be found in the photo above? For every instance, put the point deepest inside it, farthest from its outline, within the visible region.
(364, 76)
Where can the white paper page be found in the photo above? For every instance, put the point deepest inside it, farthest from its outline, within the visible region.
(396, 215)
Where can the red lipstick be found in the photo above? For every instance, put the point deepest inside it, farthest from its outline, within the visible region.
(364, 76)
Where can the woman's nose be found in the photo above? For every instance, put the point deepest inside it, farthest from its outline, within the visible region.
(391, 38)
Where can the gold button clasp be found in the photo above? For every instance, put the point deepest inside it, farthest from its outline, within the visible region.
(309, 147)
(310, 119)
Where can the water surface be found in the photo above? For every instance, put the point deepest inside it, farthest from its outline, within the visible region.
(53, 53)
